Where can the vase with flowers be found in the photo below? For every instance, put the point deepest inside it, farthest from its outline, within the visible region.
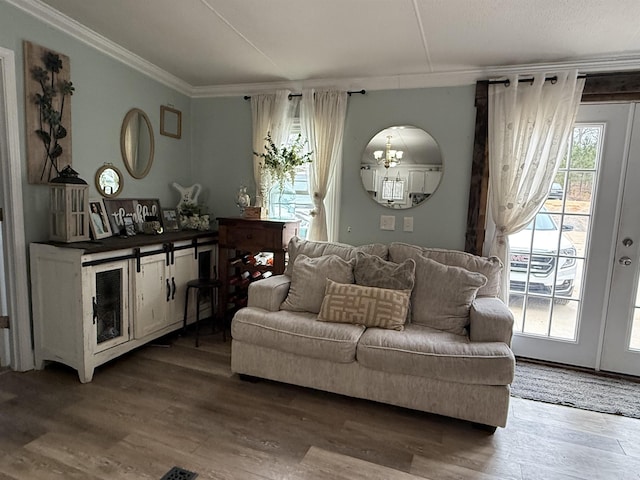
(279, 163)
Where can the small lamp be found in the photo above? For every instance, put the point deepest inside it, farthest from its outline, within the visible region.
(69, 210)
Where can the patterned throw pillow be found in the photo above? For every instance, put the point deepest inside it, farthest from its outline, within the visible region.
(443, 295)
(368, 306)
(308, 281)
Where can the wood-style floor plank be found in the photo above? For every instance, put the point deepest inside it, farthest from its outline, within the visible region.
(175, 405)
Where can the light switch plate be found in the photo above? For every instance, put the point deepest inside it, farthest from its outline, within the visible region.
(408, 224)
(387, 222)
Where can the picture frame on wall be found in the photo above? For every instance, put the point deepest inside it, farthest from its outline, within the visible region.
(170, 220)
(170, 122)
(98, 221)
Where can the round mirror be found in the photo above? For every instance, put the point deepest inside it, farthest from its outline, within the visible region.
(401, 166)
(108, 180)
(136, 143)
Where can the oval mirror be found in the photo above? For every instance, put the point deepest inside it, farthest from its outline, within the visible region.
(108, 181)
(136, 143)
(401, 166)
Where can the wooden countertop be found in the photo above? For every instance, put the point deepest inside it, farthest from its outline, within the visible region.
(139, 240)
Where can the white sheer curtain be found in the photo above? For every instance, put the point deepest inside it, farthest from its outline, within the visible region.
(529, 129)
(322, 116)
(270, 112)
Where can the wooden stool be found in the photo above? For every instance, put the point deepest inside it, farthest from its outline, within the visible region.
(203, 284)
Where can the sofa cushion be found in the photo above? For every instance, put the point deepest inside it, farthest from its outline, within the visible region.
(368, 306)
(490, 267)
(315, 249)
(298, 333)
(373, 271)
(443, 295)
(308, 281)
(427, 352)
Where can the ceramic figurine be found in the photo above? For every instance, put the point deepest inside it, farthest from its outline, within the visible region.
(187, 194)
(242, 198)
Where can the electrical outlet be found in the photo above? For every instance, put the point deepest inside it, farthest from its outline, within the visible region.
(387, 222)
(408, 224)
(349, 229)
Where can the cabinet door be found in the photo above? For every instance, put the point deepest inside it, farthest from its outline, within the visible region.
(416, 181)
(432, 180)
(152, 293)
(109, 286)
(184, 268)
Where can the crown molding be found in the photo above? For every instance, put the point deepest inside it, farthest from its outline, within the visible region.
(75, 29)
(451, 78)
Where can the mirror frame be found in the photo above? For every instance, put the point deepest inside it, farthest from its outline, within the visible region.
(108, 166)
(123, 150)
(395, 184)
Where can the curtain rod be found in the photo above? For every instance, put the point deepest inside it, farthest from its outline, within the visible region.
(291, 95)
(507, 82)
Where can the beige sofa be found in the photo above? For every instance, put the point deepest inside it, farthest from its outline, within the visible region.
(450, 356)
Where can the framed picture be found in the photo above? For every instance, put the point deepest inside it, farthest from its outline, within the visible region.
(137, 208)
(98, 221)
(129, 227)
(170, 220)
(170, 122)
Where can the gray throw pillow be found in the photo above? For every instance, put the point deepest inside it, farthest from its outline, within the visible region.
(490, 267)
(309, 278)
(373, 271)
(313, 249)
(443, 295)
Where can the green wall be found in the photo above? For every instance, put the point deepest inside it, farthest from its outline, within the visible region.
(105, 90)
(222, 157)
(215, 149)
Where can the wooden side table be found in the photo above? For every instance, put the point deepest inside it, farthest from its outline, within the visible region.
(243, 238)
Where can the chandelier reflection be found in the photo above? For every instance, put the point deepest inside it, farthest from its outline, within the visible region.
(388, 157)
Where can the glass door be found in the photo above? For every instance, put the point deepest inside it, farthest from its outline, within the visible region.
(109, 305)
(561, 263)
(621, 345)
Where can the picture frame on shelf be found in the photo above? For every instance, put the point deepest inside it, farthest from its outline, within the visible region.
(98, 220)
(170, 220)
(129, 226)
(137, 208)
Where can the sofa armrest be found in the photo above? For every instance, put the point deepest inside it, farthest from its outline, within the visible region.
(491, 321)
(269, 293)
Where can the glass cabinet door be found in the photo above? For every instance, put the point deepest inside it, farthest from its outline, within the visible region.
(110, 315)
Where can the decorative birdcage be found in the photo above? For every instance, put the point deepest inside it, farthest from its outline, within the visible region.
(69, 209)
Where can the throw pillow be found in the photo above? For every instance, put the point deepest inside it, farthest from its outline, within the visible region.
(490, 267)
(308, 281)
(443, 295)
(313, 249)
(373, 271)
(368, 306)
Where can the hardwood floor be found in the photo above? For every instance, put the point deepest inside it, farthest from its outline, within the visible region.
(160, 407)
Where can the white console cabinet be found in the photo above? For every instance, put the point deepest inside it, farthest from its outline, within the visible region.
(93, 304)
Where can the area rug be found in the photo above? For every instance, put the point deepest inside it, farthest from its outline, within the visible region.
(574, 388)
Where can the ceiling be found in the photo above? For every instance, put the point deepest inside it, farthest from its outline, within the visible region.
(223, 43)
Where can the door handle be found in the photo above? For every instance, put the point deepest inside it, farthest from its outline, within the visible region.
(173, 284)
(168, 290)
(626, 261)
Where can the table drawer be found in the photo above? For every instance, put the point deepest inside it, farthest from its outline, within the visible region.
(246, 238)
